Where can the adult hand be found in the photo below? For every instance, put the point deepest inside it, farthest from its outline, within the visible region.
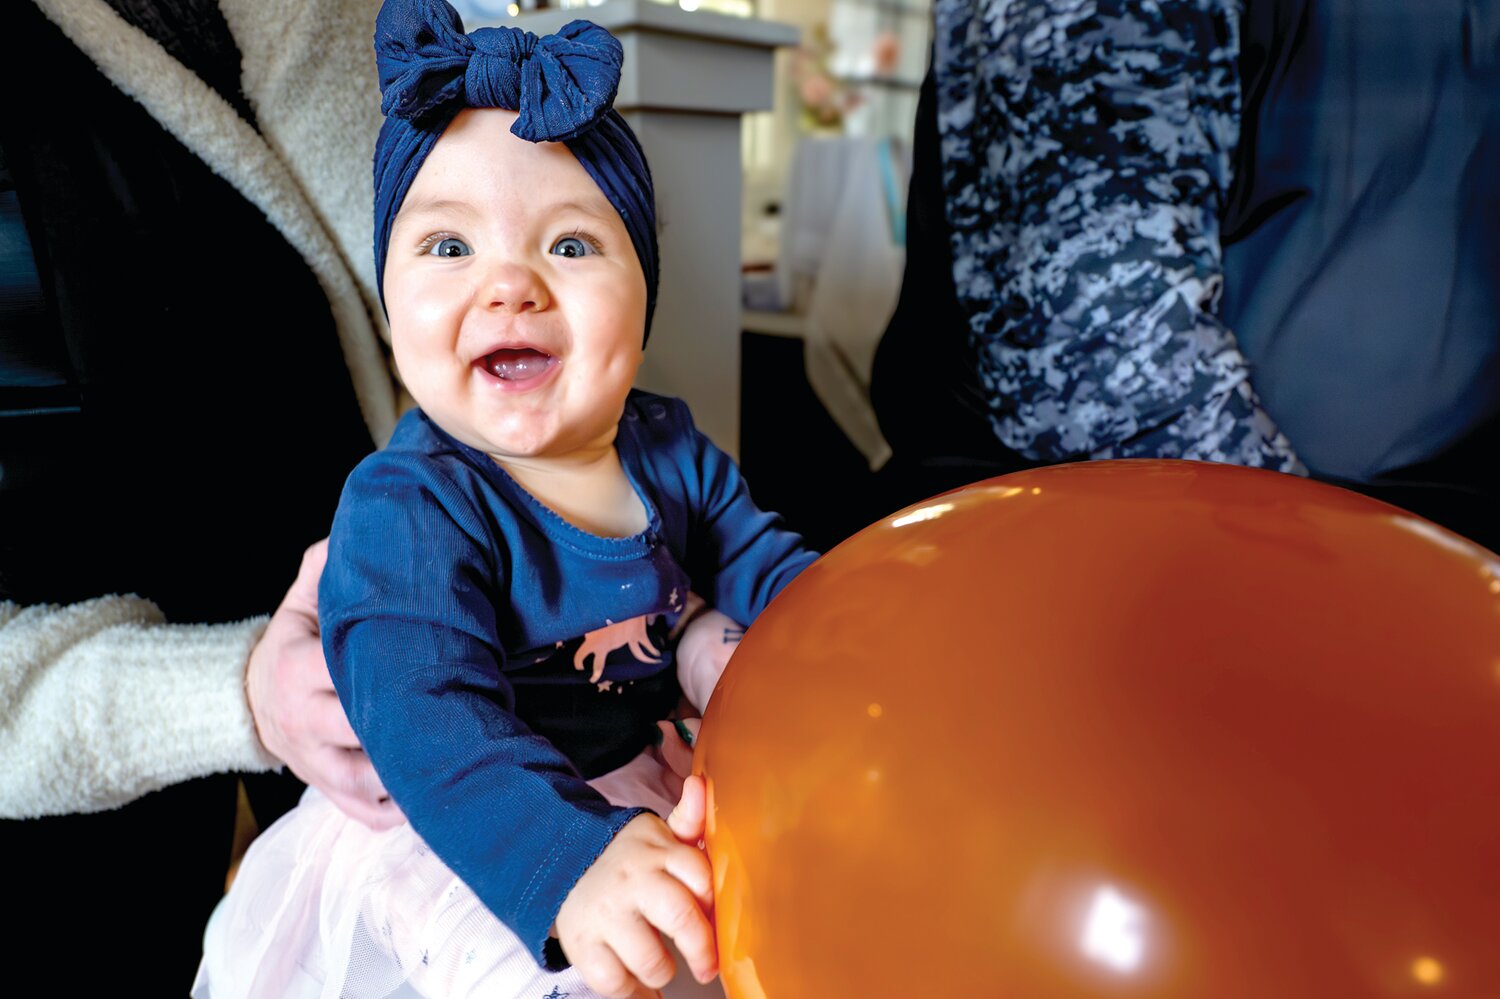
(297, 714)
(651, 877)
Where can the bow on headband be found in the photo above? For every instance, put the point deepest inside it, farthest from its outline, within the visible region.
(560, 84)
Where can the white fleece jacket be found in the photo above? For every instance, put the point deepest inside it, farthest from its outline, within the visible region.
(104, 701)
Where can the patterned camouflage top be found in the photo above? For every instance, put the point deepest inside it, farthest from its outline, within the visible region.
(1086, 150)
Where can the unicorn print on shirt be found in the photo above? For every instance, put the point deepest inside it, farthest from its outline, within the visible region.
(629, 634)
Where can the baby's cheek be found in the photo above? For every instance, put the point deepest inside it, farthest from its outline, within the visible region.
(622, 366)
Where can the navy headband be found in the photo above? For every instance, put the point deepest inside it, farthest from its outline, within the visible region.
(563, 87)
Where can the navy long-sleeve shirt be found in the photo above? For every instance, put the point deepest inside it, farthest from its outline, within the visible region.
(491, 655)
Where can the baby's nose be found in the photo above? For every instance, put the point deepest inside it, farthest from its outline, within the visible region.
(515, 288)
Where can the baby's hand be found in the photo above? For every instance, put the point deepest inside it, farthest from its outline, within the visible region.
(677, 740)
(651, 877)
(703, 652)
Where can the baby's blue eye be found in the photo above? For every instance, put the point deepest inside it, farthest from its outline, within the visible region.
(450, 247)
(572, 246)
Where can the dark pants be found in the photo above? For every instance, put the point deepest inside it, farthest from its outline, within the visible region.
(1456, 489)
(122, 896)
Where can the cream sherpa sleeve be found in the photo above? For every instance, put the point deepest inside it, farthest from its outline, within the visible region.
(103, 701)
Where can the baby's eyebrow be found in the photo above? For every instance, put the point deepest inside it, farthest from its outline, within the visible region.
(431, 206)
(420, 207)
(600, 210)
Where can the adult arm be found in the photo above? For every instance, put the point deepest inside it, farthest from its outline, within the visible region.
(297, 712)
(103, 701)
(1086, 161)
(408, 607)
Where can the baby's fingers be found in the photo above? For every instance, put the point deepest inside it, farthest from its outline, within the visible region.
(644, 955)
(679, 917)
(691, 870)
(603, 971)
(689, 819)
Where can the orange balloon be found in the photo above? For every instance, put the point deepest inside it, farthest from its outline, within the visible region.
(1137, 728)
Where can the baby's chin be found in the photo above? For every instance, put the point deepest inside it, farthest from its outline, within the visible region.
(503, 446)
(532, 431)
(539, 446)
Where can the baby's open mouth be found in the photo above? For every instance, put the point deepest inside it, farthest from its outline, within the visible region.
(517, 364)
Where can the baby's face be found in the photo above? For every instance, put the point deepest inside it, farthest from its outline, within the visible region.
(516, 302)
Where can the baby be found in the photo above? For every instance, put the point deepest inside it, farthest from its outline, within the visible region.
(506, 577)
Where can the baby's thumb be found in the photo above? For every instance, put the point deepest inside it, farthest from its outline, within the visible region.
(688, 819)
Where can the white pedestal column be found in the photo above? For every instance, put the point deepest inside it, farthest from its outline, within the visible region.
(687, 79)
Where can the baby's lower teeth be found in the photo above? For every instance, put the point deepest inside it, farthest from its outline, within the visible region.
(509, 365)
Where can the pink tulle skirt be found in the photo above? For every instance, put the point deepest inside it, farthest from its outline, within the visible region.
(324, 907)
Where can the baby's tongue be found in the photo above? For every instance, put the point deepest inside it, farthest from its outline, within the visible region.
(517, 364)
